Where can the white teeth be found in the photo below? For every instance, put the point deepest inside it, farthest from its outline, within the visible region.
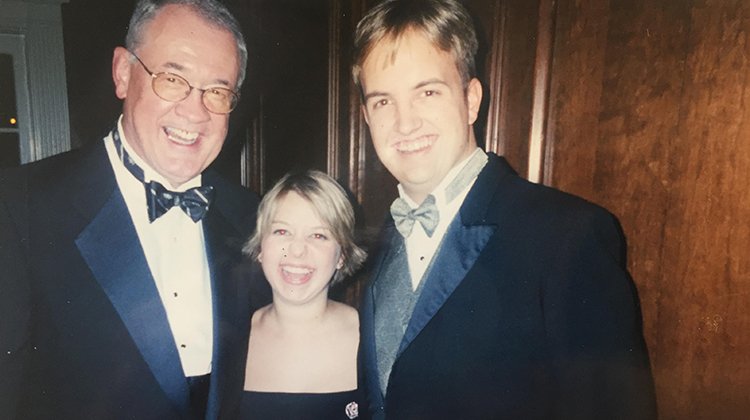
(181, 136)
(414, 145)
(297, 270)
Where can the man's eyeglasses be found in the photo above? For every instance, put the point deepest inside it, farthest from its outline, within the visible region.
(174, 88)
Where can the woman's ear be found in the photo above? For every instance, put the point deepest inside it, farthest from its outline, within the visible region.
(340, 263)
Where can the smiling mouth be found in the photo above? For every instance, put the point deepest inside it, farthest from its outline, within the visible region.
(416, 145)
(183, 137)
(296, 275)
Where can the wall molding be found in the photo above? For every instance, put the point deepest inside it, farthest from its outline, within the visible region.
(38, 26)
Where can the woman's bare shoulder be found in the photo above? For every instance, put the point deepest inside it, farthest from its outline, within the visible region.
(343, 314)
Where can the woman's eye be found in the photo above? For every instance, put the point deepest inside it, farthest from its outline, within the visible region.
(279, 232)
(319, 236)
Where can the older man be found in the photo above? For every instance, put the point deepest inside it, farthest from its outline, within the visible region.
(116, 299)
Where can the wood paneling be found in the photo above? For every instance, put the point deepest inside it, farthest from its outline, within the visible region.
(706, 281)
(649, 120)
(290, 62)
(505, 66)
(579, 47)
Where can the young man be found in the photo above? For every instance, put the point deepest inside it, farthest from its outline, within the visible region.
(116, 300)
(492, 297)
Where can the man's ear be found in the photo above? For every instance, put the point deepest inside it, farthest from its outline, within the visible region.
(121, 66)
(473, 99)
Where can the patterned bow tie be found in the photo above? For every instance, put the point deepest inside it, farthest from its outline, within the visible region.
(405, 216)
(194, 202)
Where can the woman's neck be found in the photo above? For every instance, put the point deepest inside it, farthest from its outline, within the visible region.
(291, 317)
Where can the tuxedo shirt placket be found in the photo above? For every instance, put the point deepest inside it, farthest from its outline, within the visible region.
(176, 254)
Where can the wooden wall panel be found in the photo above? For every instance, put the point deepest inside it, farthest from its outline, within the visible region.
(637, 126)
(505, 66)
(706, 283)
(648, 118)
(575, 92)
(291, 67)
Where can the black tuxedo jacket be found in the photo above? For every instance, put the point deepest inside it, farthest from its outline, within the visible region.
(527, 313)
(83, 331)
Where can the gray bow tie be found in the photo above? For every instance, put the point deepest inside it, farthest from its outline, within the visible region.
(404, 216)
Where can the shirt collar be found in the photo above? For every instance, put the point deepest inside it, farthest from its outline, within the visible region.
(441, 191)
(149, 174)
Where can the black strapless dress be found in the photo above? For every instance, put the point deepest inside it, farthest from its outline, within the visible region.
(345, 405)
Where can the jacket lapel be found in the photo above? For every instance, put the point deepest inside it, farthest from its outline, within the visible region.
(458, 251)
(464, 241)
(114, 255)
(462, 244)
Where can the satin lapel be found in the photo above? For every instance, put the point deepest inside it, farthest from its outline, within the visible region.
(459, 250)
(112, 250)
(231, 311)
(465, 239)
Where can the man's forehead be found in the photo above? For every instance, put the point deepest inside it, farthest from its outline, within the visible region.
(412, 47)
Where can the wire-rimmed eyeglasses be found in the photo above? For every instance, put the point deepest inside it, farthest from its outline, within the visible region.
(174, 88)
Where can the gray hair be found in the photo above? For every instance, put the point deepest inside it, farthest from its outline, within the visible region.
(446, 23)
(330, 203)
(211, 11)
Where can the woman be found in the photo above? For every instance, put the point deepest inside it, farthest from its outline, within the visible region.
(302, 354)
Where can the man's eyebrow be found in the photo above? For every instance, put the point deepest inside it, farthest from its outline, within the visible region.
(373, 94)
(432, 81)
(419, 85)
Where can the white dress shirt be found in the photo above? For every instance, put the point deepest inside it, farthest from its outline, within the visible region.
(420, 248)
(176, 254)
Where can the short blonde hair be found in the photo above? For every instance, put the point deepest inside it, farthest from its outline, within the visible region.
(446, 23)
(330, 203)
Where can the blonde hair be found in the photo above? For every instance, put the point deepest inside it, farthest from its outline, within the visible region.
(446, 23)
(330, 203)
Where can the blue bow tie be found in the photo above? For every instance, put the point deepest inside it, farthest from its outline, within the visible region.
(194, 202)
(404, 216)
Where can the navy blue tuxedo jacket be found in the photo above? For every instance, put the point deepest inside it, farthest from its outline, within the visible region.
(527, 313)
(83, 332)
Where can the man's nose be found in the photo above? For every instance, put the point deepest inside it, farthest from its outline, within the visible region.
(407, 119)
(192, 108)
